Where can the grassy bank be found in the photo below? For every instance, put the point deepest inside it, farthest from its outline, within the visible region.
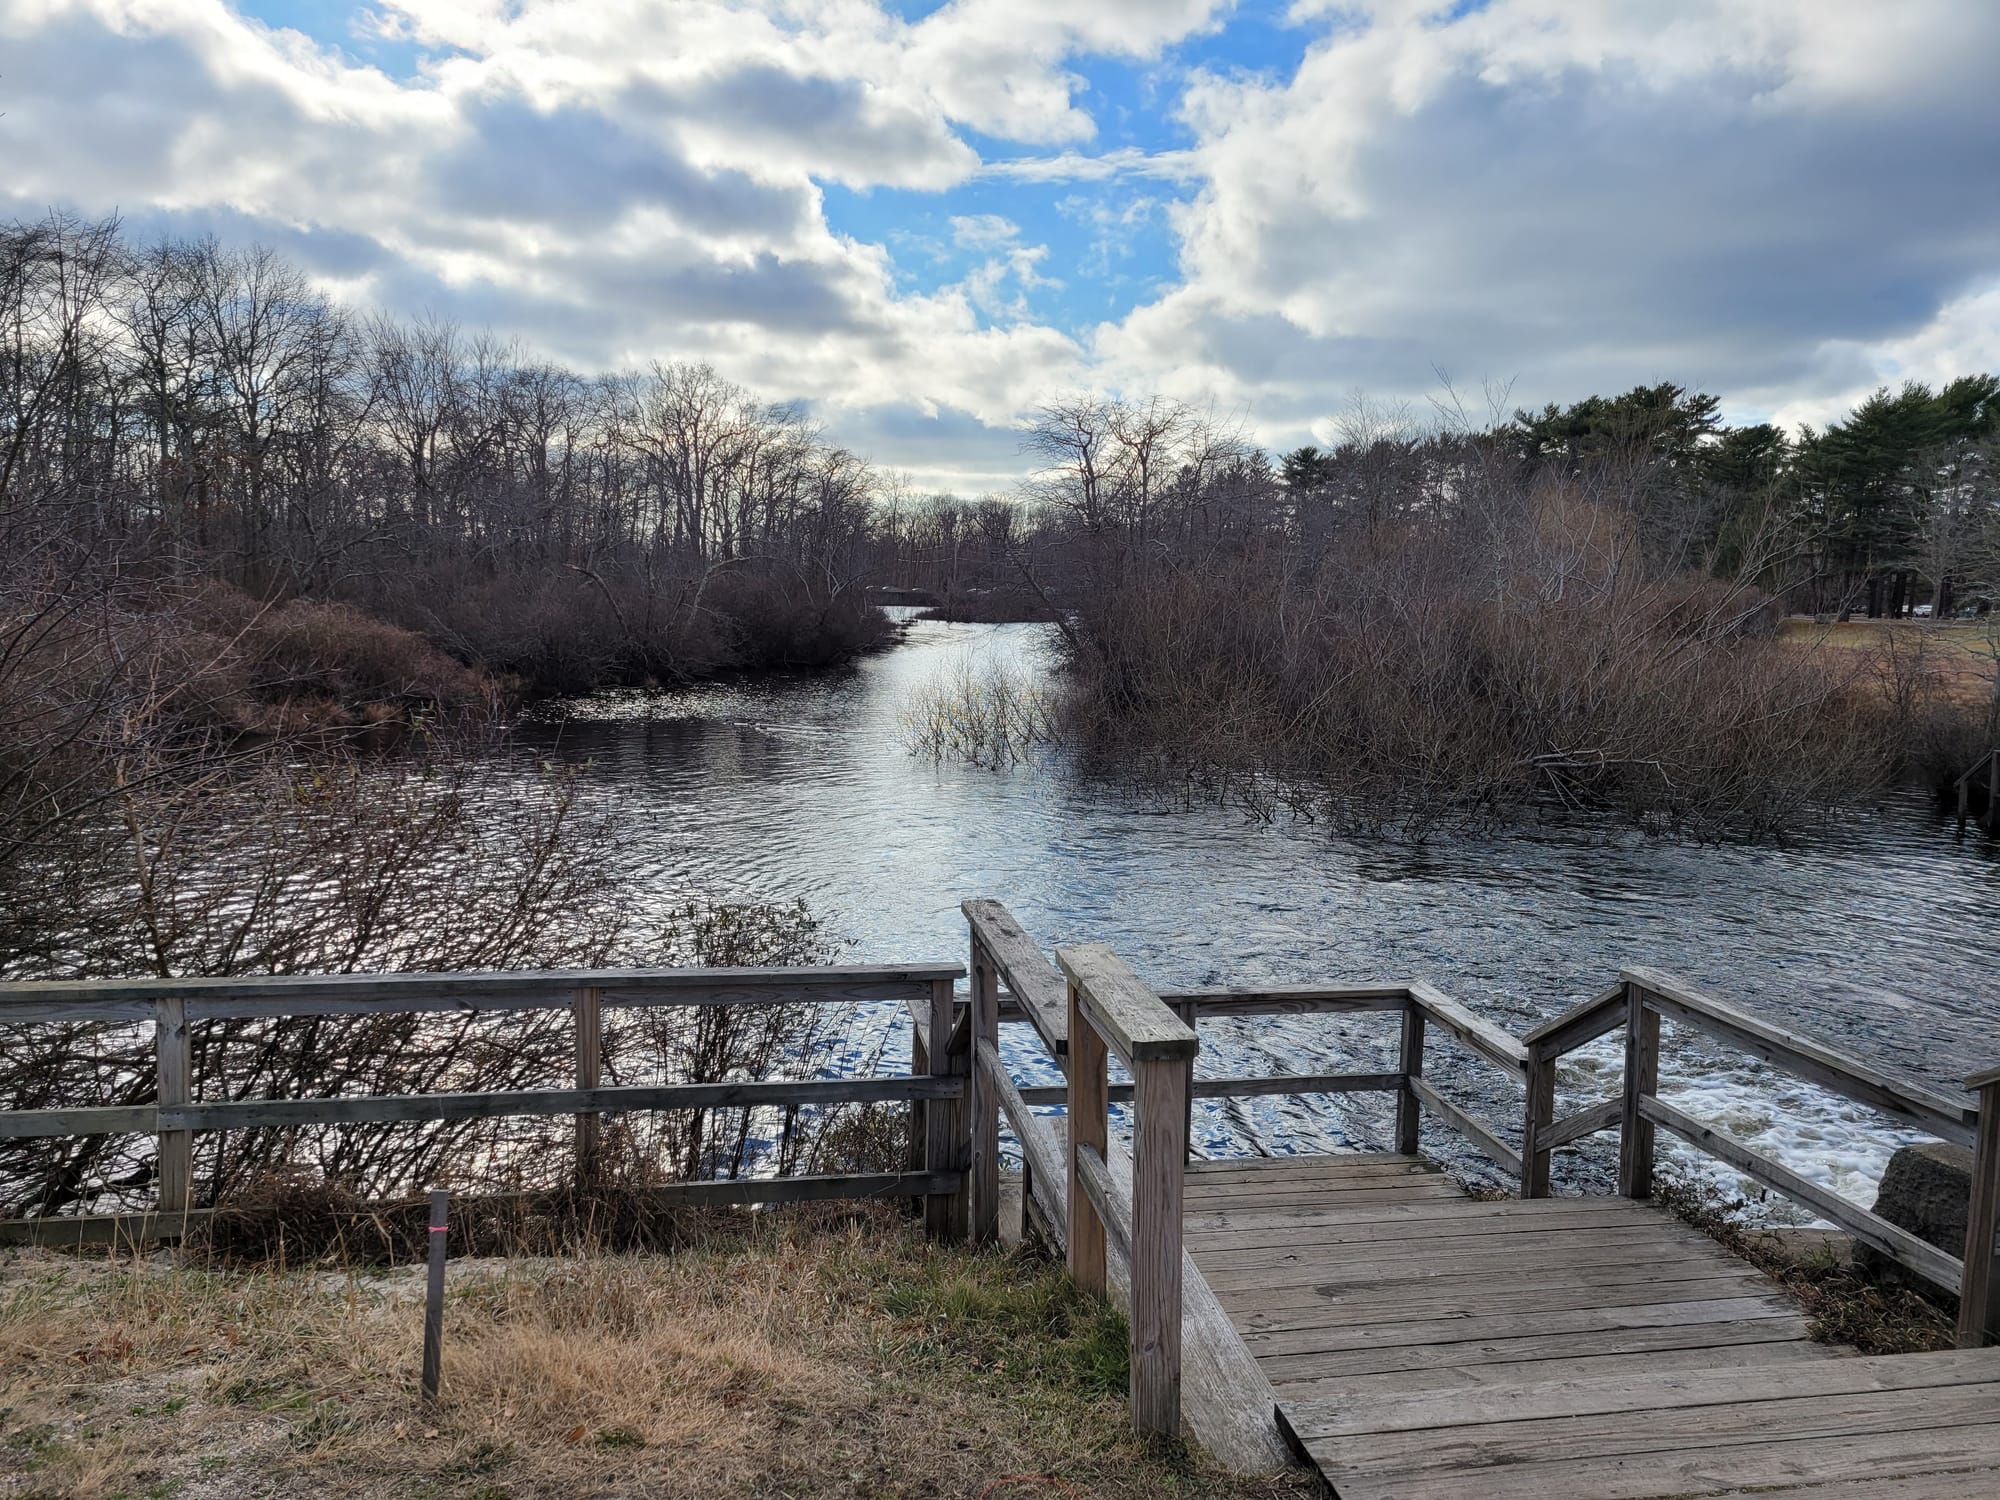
(798, 1356)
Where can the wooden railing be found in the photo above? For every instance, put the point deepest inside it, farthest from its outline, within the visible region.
(934, 1092)
(1112, 1013)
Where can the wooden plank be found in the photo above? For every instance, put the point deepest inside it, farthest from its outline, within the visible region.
(1979, 1279)
(1445, 1331)
(944, 1212)
(1639, 1390)
(1289, 1000)
(1029, 976)
(1467, 1126)
(412, 994)
(1246, 1088)
(1409, 1115)
(1517, 1351)
(589, 1019)
(174, 1086)
(1290, 1174)
(1529, 1374)
(59, 1230)
(1326, 1164)
(1281, 1313)
(1780, 1467)
(1488, 1257)
(247, 1114)
(1225, 1233)
(1129, 1016)
(1537, 1121)
(1086, 1125)
(1892, 1240)
(1481, 1035)
(1379, 1296)
(1642, 1082)
(1580, 1025)
(984, 1008)
(1567, 1131)
(1114, 1209)
(1041, 1153)
(1909, 1415)
(1979, 1081)
(1307, 1191)
(1826, 1066)
(1159, 1160)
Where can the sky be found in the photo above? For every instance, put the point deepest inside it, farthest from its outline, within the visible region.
(921, 220)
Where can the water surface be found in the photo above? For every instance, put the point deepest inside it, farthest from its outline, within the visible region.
(1878, 934)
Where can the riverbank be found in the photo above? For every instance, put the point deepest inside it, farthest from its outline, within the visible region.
(805, 1355)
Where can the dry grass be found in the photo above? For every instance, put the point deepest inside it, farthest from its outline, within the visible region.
(803, 1356)
(1955, 658)
(1844, 1306)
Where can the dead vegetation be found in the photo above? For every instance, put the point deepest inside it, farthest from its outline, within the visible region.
(1846, 1307)
(812, 1354)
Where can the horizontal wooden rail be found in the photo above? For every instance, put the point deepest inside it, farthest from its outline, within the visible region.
(1035, 986)
(1495, 1045)
(378, 1109)
(1244, 1088)
(59, 1230)
(1580, 1025)
(1826, 1066)
(1094, 1174)
(1467, 1126)
(400, 994)
(1871, 1229)
(1289, 999)
(1588, 1121)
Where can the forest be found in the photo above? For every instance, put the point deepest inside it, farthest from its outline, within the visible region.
(250, 536)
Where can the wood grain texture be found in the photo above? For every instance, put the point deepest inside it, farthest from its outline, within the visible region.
(1131, 1019)
(1030, 978)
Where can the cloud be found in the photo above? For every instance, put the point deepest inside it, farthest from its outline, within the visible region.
(1783, 201)
(1580, 196)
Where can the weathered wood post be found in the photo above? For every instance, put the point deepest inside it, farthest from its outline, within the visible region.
(1538, 1114)
(1979, 1286)
(1642, 1080)
(946, 1147)
(174, 1060)
(1112, 1011)
(587, 1008)
(1159, 1181)
(1409, 1110)
(982, 1101)
(1088, 1126)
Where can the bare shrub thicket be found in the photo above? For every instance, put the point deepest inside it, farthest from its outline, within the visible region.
(981, 713)
(1428, 632)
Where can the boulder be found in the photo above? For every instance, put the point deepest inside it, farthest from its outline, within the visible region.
(1926, 1190)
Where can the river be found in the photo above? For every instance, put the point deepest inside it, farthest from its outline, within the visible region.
(1880, 935)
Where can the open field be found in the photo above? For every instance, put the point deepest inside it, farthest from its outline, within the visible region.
(811, 1356)
(1958, 655)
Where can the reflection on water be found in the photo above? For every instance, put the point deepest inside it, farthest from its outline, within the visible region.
(1878, 935)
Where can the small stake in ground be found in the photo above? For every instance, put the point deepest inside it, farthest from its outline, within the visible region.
(434, 1296)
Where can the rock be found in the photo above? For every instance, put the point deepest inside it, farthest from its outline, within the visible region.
(1926, 1190)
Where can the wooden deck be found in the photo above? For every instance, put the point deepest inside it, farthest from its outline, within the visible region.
(1421, 1343)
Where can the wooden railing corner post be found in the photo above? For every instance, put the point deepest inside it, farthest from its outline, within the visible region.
(1088, 1126)
(173, 1054)
(1642, 1081)
(1409, 1110)
(1159, 1181)
(1979, 1281)
(944, 1145)
(982, 1103)
(1538, 1115)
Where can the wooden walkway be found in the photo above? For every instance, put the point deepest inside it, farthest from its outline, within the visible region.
(1424, 1344)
